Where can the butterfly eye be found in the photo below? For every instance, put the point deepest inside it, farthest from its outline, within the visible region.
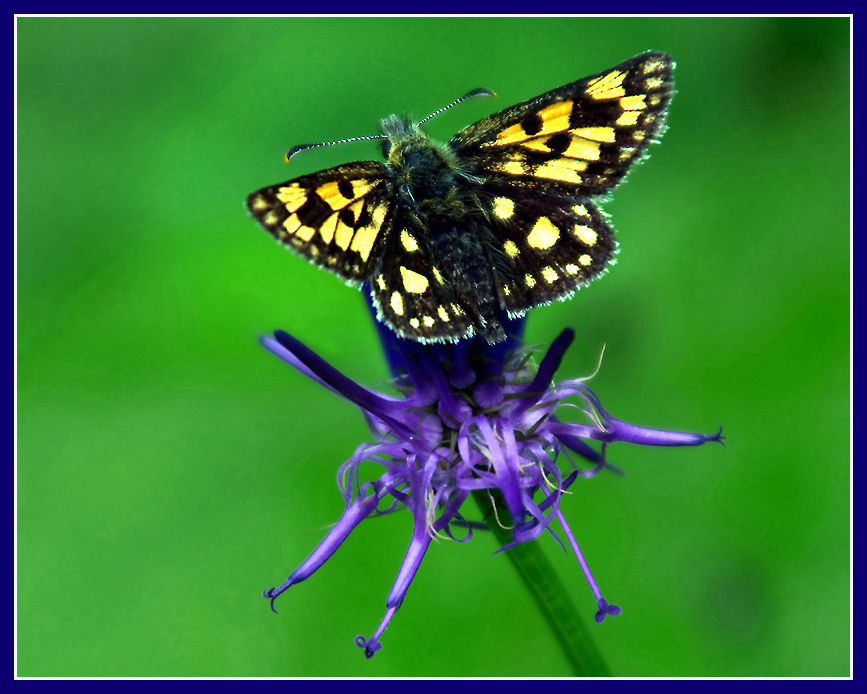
(386, 148)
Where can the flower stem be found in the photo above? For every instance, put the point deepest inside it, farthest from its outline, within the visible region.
(550, 595)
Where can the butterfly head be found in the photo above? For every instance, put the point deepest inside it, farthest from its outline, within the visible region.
(399, 132)
(421, 166)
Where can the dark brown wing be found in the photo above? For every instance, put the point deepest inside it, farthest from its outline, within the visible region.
(338, 219)
(581, 138)
(414, 293)
(545, 246)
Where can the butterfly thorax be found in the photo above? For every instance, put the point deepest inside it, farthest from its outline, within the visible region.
(435, 195)
(426, 175)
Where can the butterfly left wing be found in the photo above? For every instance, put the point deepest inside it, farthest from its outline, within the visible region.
(581, 138)
(545, 246)
(414, 293)
(338, 218)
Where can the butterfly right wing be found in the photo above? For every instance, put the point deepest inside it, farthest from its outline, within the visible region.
(579, 139)
(545, 246)
(338, 219)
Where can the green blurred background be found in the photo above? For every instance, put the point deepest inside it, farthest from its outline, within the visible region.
(169, 468)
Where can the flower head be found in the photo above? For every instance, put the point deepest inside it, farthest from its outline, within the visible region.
(472, 418)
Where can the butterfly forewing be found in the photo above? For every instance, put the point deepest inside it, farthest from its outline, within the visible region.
(580, 138)
(547, 246)
(337, 218)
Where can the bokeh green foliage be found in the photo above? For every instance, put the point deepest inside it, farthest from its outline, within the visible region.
(169, 469)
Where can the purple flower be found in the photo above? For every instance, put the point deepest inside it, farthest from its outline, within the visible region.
(472, 418)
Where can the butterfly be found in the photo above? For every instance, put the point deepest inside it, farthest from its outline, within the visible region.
(447, 237)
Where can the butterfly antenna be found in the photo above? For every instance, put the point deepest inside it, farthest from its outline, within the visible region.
(300, 148)
(468, 95)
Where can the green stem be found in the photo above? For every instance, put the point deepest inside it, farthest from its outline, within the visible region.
(550, 595)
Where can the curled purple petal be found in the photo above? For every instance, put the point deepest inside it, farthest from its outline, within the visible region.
(550, 363)
(605, 610)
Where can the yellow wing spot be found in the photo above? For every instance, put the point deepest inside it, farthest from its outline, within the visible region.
(549, 274)
(442, 313)
(364, 240)
(457, 310)
(428, 321)
(339, 232)
(437, 276)
(654, 100)
(314, 251)
(408, 241)
(380, 282)
(292, 196)
(503, 207)
(515, 168)
(555, 117)
(366, 236)
(293, 226)
(608, 86)
(639, 135)
(553, 171)
(587, 235)
(414, 322)
(326, 231)
(330, 193)
(397, 303)
(628, 118)
(510, 135)
(599, 134)
(511, 249)
(633, 103)
(626, 153)
(579, 148)
(580, 210)
(585, 260)
(571, 269)
(413, 282)
(379, 215)
(653, 83)
(529, 281)
(259, 203)
(544, 234)
(306, 233)
(343, 235)
(271, 219)
(506, 290)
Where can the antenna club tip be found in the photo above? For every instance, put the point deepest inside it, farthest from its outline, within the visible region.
(292, 152)
(481, 91)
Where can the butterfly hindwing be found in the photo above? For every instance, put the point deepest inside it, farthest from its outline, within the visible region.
(580, 138)
(413, 292)
(547, 246)
(338, 218)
